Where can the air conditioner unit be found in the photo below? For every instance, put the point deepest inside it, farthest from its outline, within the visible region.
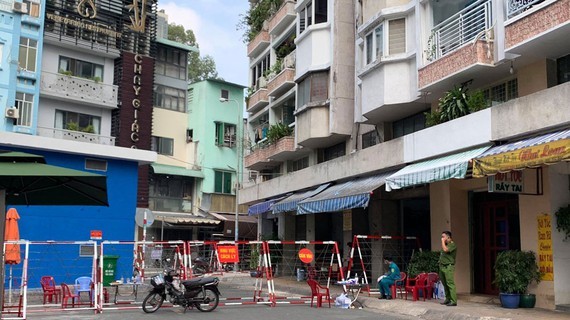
(20, 7)
(12, 112)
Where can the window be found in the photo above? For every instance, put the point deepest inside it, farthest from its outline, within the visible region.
(307, 12)
(259, 69)
(163, 146)
(397, 36)
(225, 94)
(563, 69)
(189, 135)
(77, 122)
(313, 88)
(170, 98)
(171, 63)
(27, 54)
(369, 139)
(502, 92)
(80, 68)
(33, 8)
(190, 95)
(94, 164)
(336, 151)
(223, 182)
(408, 125)
(25, 104)
(225, 134)
(374, 45)
(297, 165)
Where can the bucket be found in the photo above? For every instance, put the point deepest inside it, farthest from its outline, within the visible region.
(301, 274)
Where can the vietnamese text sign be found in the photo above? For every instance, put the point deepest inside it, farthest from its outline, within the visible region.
(347, 220)
(96, 234)
(545, 261)
(306, 255)
(510, 182)
(228, 254)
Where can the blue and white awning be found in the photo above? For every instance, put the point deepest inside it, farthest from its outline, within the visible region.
(343, 196)
(449, 167)
(290, 203)
(263, 207)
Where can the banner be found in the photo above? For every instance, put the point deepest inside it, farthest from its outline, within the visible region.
(545, 261)
(228, 254)
(534, 156)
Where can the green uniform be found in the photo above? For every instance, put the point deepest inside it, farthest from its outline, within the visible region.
(447, 270)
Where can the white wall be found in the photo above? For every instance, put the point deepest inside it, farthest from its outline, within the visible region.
(46, 117)
(51, 54)
(313, 49)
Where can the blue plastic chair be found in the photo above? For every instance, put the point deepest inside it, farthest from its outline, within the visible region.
(83, 284)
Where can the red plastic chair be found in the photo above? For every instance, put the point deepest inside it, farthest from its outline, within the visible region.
(433, 278)
(318, 291)
(66, 294)
(50, 290)
(399, 286)
(417, 284)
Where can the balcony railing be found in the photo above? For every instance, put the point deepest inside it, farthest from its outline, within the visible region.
(75, 136)
(260, 42)
(79, 89)
(169, 204)
(283, 17)
(516, 7)
(460, 28)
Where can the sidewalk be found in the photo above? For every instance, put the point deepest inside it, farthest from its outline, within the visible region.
(470, 307)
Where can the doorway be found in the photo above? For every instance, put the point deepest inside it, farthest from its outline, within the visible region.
(495, 228)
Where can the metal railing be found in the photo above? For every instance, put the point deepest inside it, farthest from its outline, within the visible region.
(516, 7)
(459, 29)
(75, 136)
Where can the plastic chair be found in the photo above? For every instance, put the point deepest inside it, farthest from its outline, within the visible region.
(66, 294)
(417, 284)
(83, 284)
(433, 278)
(49, 289)
(318, 291)
(399, 285)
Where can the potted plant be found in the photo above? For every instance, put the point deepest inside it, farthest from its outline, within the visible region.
(514, 271)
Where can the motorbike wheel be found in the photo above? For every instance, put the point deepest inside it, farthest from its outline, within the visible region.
(208, 300)
(152, 302)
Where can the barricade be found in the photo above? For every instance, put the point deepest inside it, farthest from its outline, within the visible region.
(367, 252)
(14, 301)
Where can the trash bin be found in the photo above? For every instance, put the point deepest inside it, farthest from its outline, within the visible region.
(109, 269)
(300, 274)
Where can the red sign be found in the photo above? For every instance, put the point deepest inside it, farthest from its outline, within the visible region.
(306, 255)
(96, 234)
(228, 254)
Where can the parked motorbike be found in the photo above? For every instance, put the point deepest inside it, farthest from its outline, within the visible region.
(201, 293)
(200, 266)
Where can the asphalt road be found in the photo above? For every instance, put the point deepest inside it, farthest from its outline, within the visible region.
(281, 312)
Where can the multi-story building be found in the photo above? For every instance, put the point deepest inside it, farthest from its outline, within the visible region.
(394, 174)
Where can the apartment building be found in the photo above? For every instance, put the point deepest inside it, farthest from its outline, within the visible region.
(400, 172)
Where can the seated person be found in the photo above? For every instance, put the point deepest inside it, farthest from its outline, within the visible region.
(385, 281)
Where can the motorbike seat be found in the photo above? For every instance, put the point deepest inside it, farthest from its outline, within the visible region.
(198, 282)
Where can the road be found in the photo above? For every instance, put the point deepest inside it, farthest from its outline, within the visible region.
(229, 312)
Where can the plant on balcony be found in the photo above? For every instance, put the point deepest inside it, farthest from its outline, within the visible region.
(278, 131)
(286, 47)
(252, 21)
(563, 221)
(96, 79)
(431, 50)
(72, 126)
(88, 129)
(274, 70)
(456, 103)
(65, 72)
(250, 91)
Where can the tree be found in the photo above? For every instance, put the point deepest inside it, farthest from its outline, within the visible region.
(199, 68)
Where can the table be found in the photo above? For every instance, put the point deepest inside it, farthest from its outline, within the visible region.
(352, 291)
(125, 290)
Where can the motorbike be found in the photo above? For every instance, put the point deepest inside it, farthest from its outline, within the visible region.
(200, 266)
(201, 293)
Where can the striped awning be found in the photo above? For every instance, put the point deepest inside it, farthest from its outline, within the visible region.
(290, 203)
(453, 166)
(179, 218)
(547, 148)
(263, 207)
(343, 196)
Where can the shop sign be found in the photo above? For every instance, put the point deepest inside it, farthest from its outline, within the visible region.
(228, 254)
(534, 156)
(96, 234)
(545, 257)
(306, 255)
(347, 220)
(510, 182)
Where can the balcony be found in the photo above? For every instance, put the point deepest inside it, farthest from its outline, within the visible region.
(282, 82)
(258, 100)
(537, 29)
(258, 44)
(75, 136)
(282, 18)
(80, 90)
(266, 156)
(169, 204)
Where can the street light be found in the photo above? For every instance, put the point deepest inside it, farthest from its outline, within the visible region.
(238, 151)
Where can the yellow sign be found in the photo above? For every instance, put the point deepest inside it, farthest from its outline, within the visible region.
(347, 220)
(545, 261)
(534, 156)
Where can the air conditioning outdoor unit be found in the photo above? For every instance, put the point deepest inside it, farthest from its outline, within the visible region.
(20, 7)
(12, 112)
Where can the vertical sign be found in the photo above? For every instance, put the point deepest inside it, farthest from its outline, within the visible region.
(545, 261)
(347, 220)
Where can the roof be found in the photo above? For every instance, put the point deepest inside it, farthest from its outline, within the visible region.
(177, 45)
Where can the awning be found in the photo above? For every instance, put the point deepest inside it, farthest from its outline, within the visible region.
(232, 217)
(176, 171)
(343, 196)
(290, 203)
(453, 166)
(182, 218)
(263, 207)
(532, 152)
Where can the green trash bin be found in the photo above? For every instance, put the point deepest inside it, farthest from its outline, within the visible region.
(109, 269)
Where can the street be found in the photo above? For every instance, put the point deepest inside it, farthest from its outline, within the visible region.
(233, 312)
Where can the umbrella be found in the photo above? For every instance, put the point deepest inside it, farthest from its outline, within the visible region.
(12, 250)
